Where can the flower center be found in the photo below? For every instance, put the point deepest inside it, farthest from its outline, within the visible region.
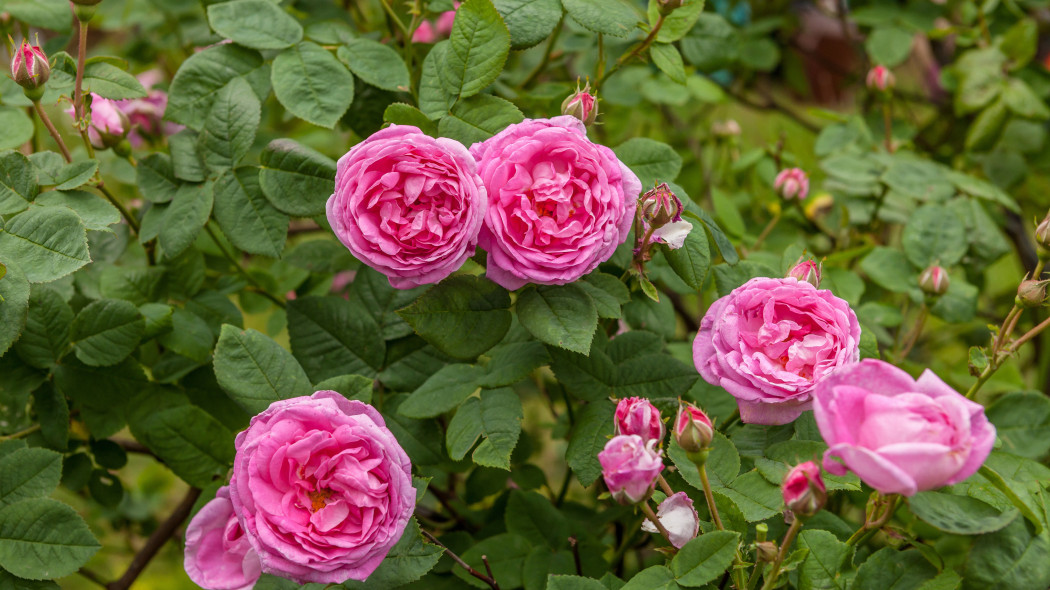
(319, 498)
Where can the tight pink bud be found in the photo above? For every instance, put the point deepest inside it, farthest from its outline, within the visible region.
(660, 206)
(693, 429)
(804, 491)
(1031, 293)
(881, 78)
(1042, 232)
(791, 183)
(635, 415)
(581, 104)
(807, 271)
(30, 68)
(934, 280)
(630, 466)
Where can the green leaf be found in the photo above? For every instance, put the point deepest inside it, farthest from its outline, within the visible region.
(10, 582)
(651, 160)
(189, 336)
(723, 463)
(186, 160)
(477, 49)
(607, 292)
(421, 439)
(48, 243)
(110, 81)
(1022, 422)
(155, 176)
(1019, 43)
(52, 410)
(563, 582)
(17, 182)
(496, 416)
(96, 213)
(918, 178)
(676, 24)
(296, 179)
(407, 561)
(42, 539)
(29, 473)
(1009, 559)
(711, 44)
(375, 63)
(14, 304)
(101, 394)
(529, 21)
(986, 128)
(934, 235)
(230, 128)
(193, 444)
(532, 516)
(311, 83)
(352, 387)
(656, 577)
(889, 46)
(823, 565)
(890, 569)
(506, 553)
(46, 14)
(332, 337)
(705, 558)
(889, 269)
(692, 261)
(463, 316)
(106, 332)
(400, 113)
(959, 515)
(246, 216)
(1022, 100)
(666, 57)
(946, 580)
(255, 371)
(610, 17)
(203, 75)
(443, 391)
(478, 118)
(434, 99)
(75, 175)
(594, 426)
(563, 315)
(259, 24)
(185, 218)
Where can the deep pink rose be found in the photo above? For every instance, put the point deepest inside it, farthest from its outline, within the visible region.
(803, 489)
(769, 343)
(630, 466)
(218, 555)
(558, 204)
(322, 488)
(679, 517)
(635, 415)
(899, 435)
(146, 114)
(408, 205)
(428, 32)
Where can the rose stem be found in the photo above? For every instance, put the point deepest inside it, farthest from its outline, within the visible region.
(240, 269)
(872, 526)
(648, 511)
(576, 555)
(92, 576)
(710, 497)
(123, 211)
(21, 433)
(665, 486)
(51, 129)
(789, 536)
(488, 580)
(156, 541)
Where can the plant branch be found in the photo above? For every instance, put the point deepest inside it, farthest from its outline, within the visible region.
(156, 541)
(93, 577)
(21, 433)
(785, 545)
(648, 511)
(710, 497)
(487, 579)
(240, 269)
(51, 129)
(546, 55)
(78, 92)
(120, 207)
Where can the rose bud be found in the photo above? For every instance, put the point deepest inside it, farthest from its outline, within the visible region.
(635, 415)
(30, 68)
(725, 129)
(791, 183)
(693, 430)
(630, 466)
(666, 7)
(581, 104)
(1031, 293)
(766, 551)
(807, 271)
(1042, 232)
(934, 280)
(881, 78)
(803, 489)
(662, 210)
(679, 518)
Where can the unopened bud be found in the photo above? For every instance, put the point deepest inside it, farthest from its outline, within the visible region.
(84, 9)
(766, 551)
(807, 271)
(30, 68)
(1042, 232)
(666, 7)
(581, 104)
(725, 129)
(934, 280)
(881, 78)
(1031, 293)
(791, 183)
(693, 430)
(804, 491)
(661, 206)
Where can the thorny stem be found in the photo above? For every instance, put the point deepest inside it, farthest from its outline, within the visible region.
(21, 433)
(634, 52)
(396, 19)
(51, 129)
(710, 497)
(914, 336)
(785, 545)
(884, 508)
(240, 269)
(765, 232)
(156, 541)
(120, 207)
(487, 579)
(665, 486)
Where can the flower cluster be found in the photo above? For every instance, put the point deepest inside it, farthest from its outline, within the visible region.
(321, 490)
(546, 203)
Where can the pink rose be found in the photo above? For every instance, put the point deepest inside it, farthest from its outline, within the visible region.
(322, 488)
(558, 204)
(803, 489)
(679, 517)
(109, 124)
(146, 114)
(218, 555)
(581, 104)
(630, 466)
(880, 78)
(428, 32)
(808, 271)
(899, 435)
(29, 67)
(635, 415)
(408, 205)
(791, 183)
(771, 341)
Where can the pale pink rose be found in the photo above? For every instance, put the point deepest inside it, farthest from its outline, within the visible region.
(408, 205)
(679, 518)
(808, 271)
(428, 32)
(791, 183)
(635, 415)
(29, 66)
(630, 466)
(559, 205)
(109, 124)
(218, 556)
(803, 489)
(146, 114)
(693, 430)
(899, 435)
(771, 341)
(322, 488)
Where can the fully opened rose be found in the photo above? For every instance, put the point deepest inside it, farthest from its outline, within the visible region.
(321, 488)
(559, 205)
(899, 435)
(408, 205)
(771, 341)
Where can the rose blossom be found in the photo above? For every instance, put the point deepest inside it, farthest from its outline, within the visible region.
(880, 78)
(679, 518)
(558, 204)
(771, 341)
(803, 489)
(428, 32)
(109, 124)
(321, 487)
(408, 205)
(635, 415)
(630, 466)
(218, 555)
(899, 435)
(791, 183)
